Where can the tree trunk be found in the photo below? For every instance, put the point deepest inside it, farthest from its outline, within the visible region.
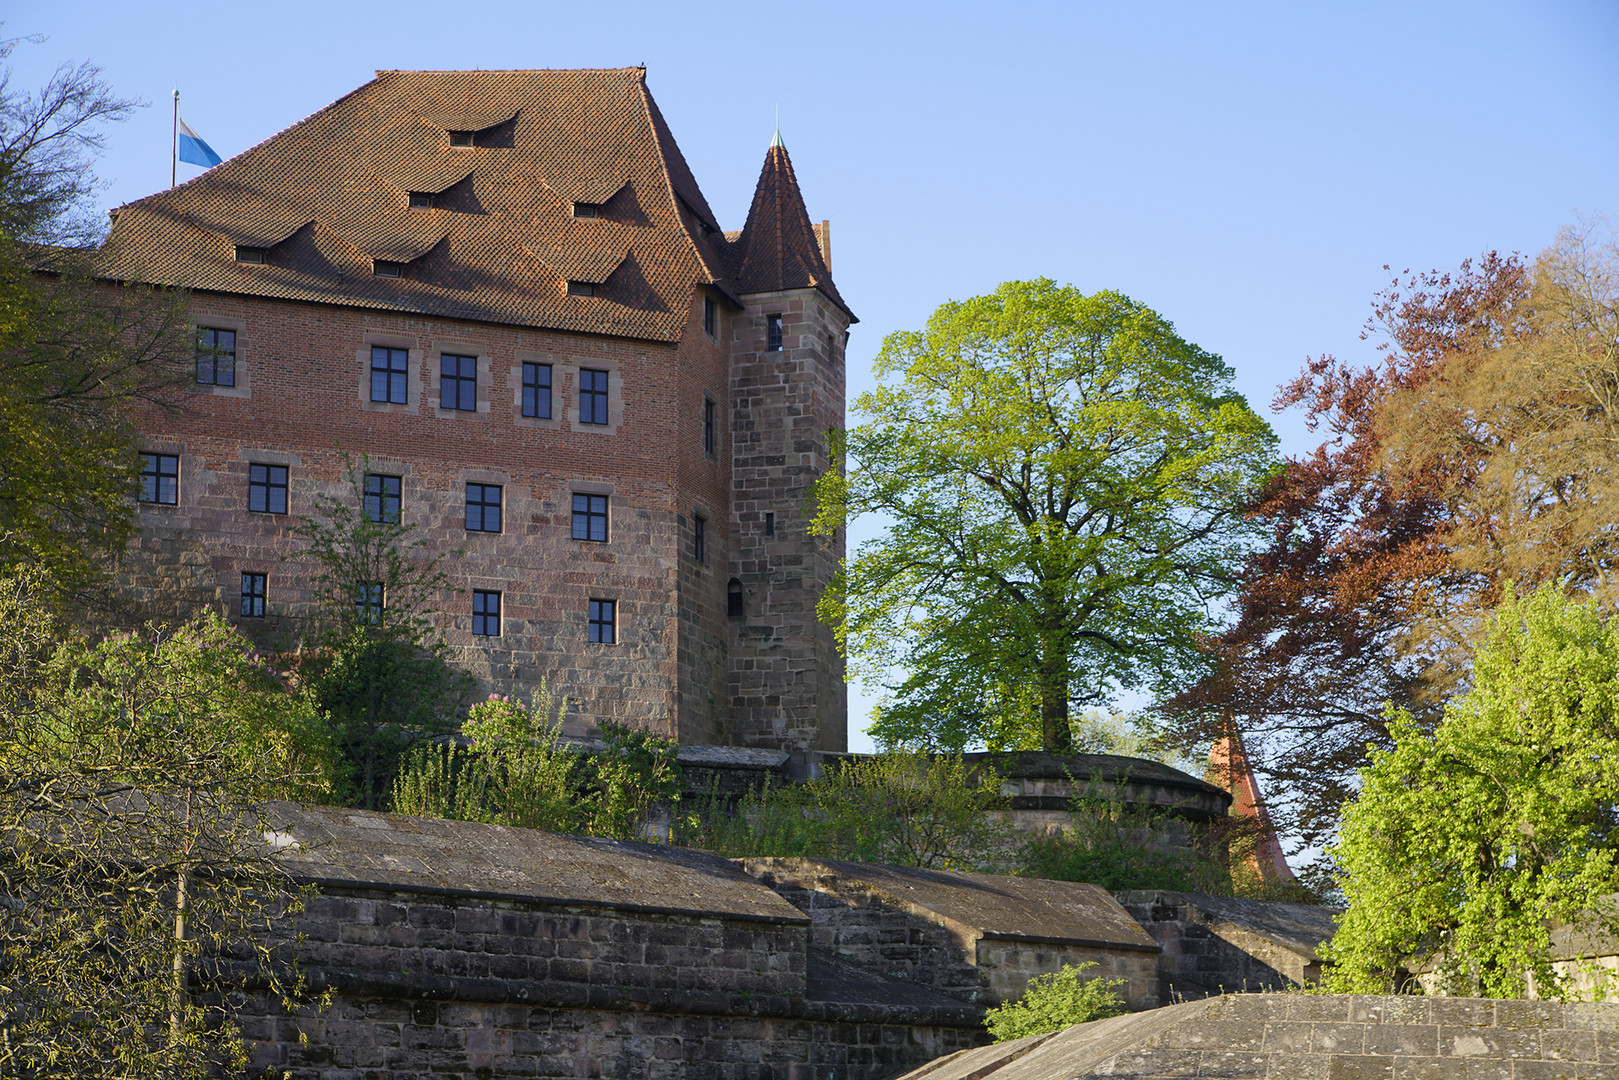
(1056, 737)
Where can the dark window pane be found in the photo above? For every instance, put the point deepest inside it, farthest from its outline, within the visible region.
(253, 592)
(592, 396)
(388, 370)
(708, 316)
(368, 602)
(267, 489)
(216, 356)
(160, 479)
(537, 391)
(773, 333)
(382, 497)
(734, 604)
(700, 538)
(708, 426)
(603, 622)
(483, 508)
(590, 517)
(486, 613)
(458, 386)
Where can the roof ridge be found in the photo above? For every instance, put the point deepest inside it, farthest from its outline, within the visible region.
(496, 71)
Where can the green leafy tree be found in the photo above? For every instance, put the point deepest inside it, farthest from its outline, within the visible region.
(138, 888)
(376, 665)
(1063, 478)
(76, 355)
(1055, 1001)
(1468, 840)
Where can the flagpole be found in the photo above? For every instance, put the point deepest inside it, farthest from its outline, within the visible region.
(174, 138)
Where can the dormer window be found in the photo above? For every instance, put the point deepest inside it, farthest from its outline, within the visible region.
(254, 256)
(421, 200)
(587, 210)
(461, 138)
(388, 269)
(581, 288)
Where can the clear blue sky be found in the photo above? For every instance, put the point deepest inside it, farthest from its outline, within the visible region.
(1247, 169)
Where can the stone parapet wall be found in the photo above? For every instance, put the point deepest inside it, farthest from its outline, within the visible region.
(976, 937)
(470, 949)
(366, 1038)
(1315, 1037)
(1221, 945)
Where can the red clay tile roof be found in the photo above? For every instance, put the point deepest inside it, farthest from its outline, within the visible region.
(330, 194)
(777, 248)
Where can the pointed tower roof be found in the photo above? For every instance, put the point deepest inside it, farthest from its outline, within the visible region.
(1229, 769)
(777, 249)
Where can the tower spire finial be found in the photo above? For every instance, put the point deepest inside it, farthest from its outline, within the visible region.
(777, 140)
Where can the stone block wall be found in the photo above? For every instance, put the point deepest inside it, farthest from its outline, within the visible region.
(909, 940)
(786, 674)
(1221, 945)
(369, 1038)
(464, 987)
(493, 951)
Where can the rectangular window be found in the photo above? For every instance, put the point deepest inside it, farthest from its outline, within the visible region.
(267, 489)
(368, 602)
(708, 426)
(485, 613)
(581, 288)
(389, 368)
(382, 497)
(253, 256)
(253, 595)
(537, 391)
(773, 333)
(708, 315)
(421, 200)
(590, 517)
(587, 210)
(770, 523)
(592, 396)
(160, 479)
(216, 356)
(483, 508)
(460, 138)
(604, 621)
(387, 268)
(458, 382)
(699, 538)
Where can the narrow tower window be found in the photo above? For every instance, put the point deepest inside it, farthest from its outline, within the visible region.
(773, 333)
(733, 598)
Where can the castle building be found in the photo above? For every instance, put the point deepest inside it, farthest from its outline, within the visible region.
(507, 292)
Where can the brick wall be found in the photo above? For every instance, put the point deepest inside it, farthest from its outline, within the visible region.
(303, 391)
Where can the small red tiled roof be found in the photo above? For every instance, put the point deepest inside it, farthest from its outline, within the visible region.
(330, 195)
(777, 248)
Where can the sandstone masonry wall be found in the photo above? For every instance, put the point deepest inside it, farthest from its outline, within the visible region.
(786, 676)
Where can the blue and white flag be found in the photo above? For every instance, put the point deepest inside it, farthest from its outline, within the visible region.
(193, 149)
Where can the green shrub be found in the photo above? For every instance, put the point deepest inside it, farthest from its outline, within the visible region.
(901, 807)
(1107, 843)
(1054, 1001)
(515, 771)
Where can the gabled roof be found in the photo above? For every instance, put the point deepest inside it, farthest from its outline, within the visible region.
(331, 194)
(777, 248)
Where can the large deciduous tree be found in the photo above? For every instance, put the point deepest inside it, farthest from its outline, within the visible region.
(76, 354)
(1478, 453)
(1062, 477)
(1467, 843)
(137, 884)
